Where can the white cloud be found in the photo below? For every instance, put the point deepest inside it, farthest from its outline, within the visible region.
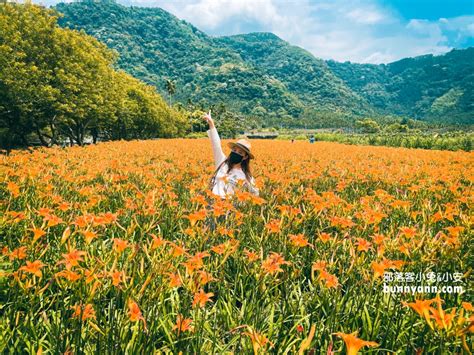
(368, 17)
(470, 29)
(209, 14)
(462, 24)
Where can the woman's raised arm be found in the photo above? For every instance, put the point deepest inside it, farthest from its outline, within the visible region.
(219, 155)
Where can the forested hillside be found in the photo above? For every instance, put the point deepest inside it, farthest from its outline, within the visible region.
(309, 78)
(432, 87)
(59, 85)
(261, 76)
(155, 45)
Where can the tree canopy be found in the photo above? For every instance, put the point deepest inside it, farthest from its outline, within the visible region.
(58, 84)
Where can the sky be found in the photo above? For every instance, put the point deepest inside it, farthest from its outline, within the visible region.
(360, 31)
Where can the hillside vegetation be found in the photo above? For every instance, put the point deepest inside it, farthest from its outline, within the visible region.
(265, 78)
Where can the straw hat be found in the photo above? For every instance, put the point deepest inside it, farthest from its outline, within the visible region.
(244, 144)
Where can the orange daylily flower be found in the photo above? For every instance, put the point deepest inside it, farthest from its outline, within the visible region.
(177, 250)
(37, 233)
(342, 222)
(89, 236)
(201, 298)
(422, 307)
(33, 267)
(325, 237)
(64, 206)
(363, 245)
(299, 240)
(272, 264)
(120, 245)
(17, 216)
(354, 344)
(319, 265)
(205, 277)
(53, 220)
(72, 258)
(157, 241)
(438, 216)
(251, 255)
(87, 311)
(183, 324)
(329, 279)
(81, 221)
(379, 268)
(271, 267)
(18, 253)
(69, 275)
(195, 262)
(443, 320)
(408, 231)
(44, 211)
(378, 238)
(134, 312)
(199, 199)
(175, 280)
(117, 277)
(219, 249)
(273, 226)
(454, 231)
(197, 216)
(258, 340)
(13, 188)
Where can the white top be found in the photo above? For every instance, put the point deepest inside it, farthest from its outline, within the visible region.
(224, 183)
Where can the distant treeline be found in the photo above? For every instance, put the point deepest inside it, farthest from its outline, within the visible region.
(59, 85)
(445, 141)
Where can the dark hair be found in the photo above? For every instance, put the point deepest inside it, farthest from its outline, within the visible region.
(245, 164)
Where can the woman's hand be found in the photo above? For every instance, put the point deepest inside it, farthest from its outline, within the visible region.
(207, 117)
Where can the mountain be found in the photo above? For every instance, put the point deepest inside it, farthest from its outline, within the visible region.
(263, 76)
(154, 45)
(439, 88)
(309, 78)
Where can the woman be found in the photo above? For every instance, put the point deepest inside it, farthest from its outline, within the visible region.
(232, 169)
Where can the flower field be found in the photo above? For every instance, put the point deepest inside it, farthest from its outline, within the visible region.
(109, 249)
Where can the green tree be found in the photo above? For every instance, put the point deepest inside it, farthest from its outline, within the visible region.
(59, 83)
(171, 88)
(368, 126)
(27, 97)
